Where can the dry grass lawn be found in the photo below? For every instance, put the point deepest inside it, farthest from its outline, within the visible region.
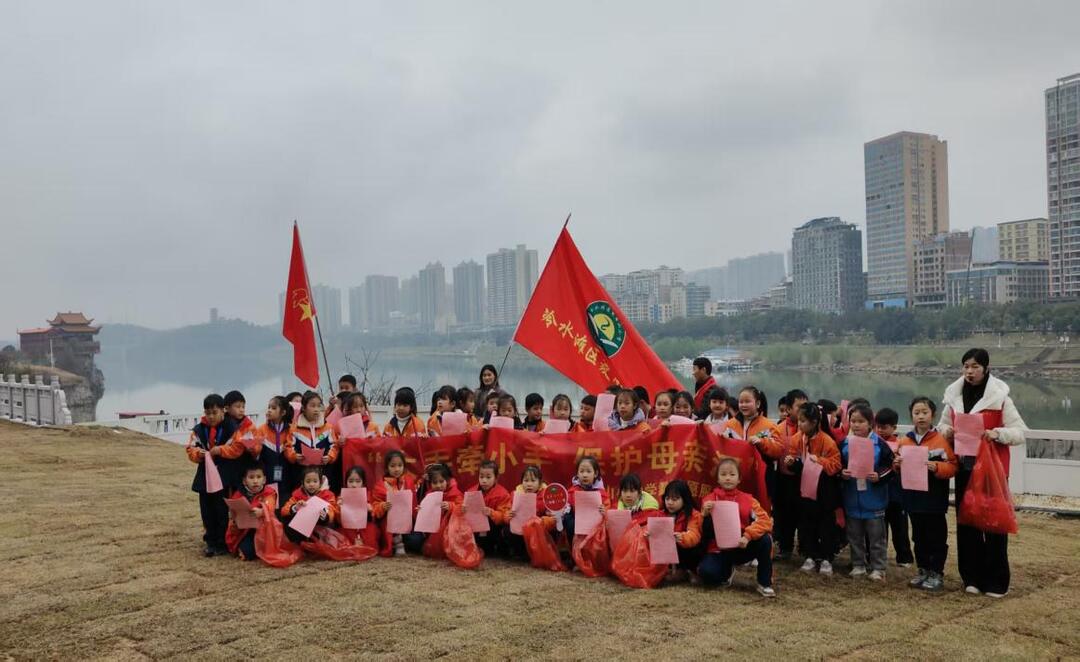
(100, 557)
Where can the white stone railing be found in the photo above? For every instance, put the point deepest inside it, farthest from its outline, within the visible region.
(34, 403)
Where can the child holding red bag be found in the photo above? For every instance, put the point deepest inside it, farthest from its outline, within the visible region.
(260, 496)
(437, 478)
(718, 566)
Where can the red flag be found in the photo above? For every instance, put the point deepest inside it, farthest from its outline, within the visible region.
(574, 325)
(298, 325)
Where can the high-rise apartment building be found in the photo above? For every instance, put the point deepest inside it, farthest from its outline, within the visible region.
(1063, 185)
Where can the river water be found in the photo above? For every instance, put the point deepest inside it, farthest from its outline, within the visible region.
(178, 386)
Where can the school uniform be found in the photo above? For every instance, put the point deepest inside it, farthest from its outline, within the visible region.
(377, 499)
(690, 548)
(582, 426)
(212, 508)
(717, 565)
(414, 542)
(896, 519)
(434, 425)
(864, 509)
(927, 510)
(575, 488)
(533, 426)
(983, 558)
(494, 542)
(817, 518)
(270, 454)
(787, 497)
(412, 427)
(319, 435)
(241, 542)
(300, 496)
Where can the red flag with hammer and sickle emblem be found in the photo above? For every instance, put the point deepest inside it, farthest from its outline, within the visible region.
(298, 325)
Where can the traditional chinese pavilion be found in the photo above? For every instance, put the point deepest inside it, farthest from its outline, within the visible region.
(68, 334)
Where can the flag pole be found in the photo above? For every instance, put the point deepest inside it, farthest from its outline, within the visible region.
(511, 346)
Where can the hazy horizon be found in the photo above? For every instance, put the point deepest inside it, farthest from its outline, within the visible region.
(156, 155)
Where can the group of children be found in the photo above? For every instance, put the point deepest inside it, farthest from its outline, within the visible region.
(269, 466)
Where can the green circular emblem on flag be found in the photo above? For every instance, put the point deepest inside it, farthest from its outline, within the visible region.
(605, 327)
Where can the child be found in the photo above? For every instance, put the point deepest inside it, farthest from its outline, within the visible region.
(790, 425)
(405, 422)
(352, 404)
(586, 479)
(927, 509)
(273, 437)
(508, 409)
(345, 384)
(212, 436)
(786, 486)
(311, 430)
(628, 414)
(679, 503)
(716, 400)
(640, 503)
(437, 478)
(751, 424)
(817, 519)
(534, 413)
(783, 406)
(718, 566)
(442, 402)
(865, 500)
(885, 421)
(466, 402)
(684, 405)
(261, 497)
(663, 405)
(532, 482)
(643, 400)
(588, 408)
(236, 418)
(832, 415)
(561, 409)
(356, 478)
(497, 502)
(311, 484)
(394, 478)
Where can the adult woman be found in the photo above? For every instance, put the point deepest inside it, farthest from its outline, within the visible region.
(489, 381)
(982, 557)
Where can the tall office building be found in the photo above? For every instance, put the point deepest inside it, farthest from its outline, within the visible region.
(907, 200)
(410, 297)
(511, 277)
(469, 293)
(934, 257)
(826, 264)
(432, 295)
(696, 296)
(1024, 241)
(1063, 185)
(327, 307)
(381, 297)
(358, 310)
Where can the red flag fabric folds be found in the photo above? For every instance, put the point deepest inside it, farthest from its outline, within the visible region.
(298, 323)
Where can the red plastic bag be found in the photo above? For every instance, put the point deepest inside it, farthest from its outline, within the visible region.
(434, 546)
(631, 563)
(272, 546)
(987, 503)
(333, 545)
(591, 553)
(459, 544)
(541, 548)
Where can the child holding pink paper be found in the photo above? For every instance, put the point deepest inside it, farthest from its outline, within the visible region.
(395, 478)
(310, 486)
(437, 478)
(262, 497)
(663, 407)
(352, 404)
(532, 482)
(927, 510)
(885, 422)
(628, 414)
(356, 478)
(588, 409)
(562, 409)
(865, 499)
(683, 405)
(508, 409)
(632, 497)
(211, 436)
(586, 479)
(466, 402)
(311, 430)
(497, 502)
(443, 402)
(817, 516)
(405, 422)
(679, 503)
(718, 566)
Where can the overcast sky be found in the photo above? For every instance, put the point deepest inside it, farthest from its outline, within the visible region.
(154, 155)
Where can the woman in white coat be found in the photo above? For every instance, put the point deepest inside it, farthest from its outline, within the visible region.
(982, 557)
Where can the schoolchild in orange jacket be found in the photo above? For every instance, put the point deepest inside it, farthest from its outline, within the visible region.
(405, 422)
(261, 497)
(585, 421)
(497, 502)
(211, 436)
(718, 566)
(395, 478)
(437, 478)
(817, 521)
(678, 502)
(355, 478)
(311, 430)
(587, 479)
(310, 486)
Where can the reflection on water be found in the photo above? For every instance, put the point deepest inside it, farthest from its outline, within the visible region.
(179, 386)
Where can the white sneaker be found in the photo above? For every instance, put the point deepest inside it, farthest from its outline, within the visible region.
(766, 591)
(972, 590)
(399, 550)
(808, 566)
(877, 576)
(996, 596)
(857, 571)
(825, 568)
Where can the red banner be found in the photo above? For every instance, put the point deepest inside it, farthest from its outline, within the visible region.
(298, 322)
(689, 452)
(574, 325)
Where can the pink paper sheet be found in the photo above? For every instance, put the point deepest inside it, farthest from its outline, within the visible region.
(726, 524)
(429, 517)
(474, 511)
(524, 508)
(334, 416)
(295, 410)
(399, 517)
(680, 420)
(586, 512)
(354, 507)
(913, 473)
(307, 517)
(556, 426)
(501, 422)
(968, 430)
(454, 422)
(605, 404)
(860, 456)
(618, 521)
(352, 427)
(808, 484)
(241, 512)
(662, 548)
(213, 478)
(311, 457)
(250, 442)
